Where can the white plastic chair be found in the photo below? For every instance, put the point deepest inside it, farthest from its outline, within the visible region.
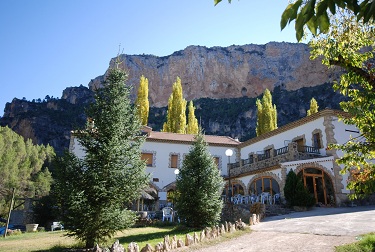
(245, 199)
(276, 198)
(265, 197)
(168, 213)
(253, 199)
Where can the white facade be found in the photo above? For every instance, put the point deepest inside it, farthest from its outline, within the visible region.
(260, 163)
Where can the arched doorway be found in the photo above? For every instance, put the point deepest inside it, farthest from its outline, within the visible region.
(235, 189)
(264, 184)
(319, 185)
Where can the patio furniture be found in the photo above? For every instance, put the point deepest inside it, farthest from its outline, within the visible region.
(265, 197)
(168, 213)
(56, 224)
(276, 198)
(245, 199)
(253, 198)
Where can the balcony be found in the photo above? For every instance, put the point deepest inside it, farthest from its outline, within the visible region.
(292, 152)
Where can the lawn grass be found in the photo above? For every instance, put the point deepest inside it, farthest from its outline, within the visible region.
(58, 241)
(366, 243)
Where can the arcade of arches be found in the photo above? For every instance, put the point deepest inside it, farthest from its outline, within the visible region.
(259, 185)
(315, 180)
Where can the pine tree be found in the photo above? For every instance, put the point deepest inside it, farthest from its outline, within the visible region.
(176, 115)
(267, 114)
(112, 173)
(199, 185)
(23, 166)
(142, 102)
(192, 126)
(313, 107)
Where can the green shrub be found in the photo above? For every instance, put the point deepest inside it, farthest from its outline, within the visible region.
(295, 192)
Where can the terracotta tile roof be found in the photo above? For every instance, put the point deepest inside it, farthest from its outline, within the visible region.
(155, 136)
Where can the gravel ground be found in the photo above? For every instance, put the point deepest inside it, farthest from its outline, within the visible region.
(320, 229)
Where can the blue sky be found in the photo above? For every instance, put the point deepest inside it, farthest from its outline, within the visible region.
(48, 45)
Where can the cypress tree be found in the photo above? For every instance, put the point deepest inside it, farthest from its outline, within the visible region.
(192, 126)
(199, 185)
(142, 103)
(111, 174)
(176, 114)
(267, 114)
(313, 107)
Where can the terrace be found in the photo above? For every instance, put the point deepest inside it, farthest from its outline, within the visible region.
(273, 157)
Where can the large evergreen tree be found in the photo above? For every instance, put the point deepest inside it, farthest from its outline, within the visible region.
(97, 188)
(142, 102)
(23, 166)
(267, 114)
(313, 107)
(199, 185)
(176, 114)
(192, 126)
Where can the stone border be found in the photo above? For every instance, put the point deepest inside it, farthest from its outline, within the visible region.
(173, 243)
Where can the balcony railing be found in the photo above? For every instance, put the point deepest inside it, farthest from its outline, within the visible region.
(292, 152)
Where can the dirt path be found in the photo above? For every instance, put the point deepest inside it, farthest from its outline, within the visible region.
(320, 229)
(275, 241)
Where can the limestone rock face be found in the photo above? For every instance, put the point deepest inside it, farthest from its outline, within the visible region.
(224, 72)
(74, 95)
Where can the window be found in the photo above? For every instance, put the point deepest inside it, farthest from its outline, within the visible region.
(155, 180)
(174, 161)
(300, 144)
(317, 142)
(148, 157)
(217, 162)
(264, 184)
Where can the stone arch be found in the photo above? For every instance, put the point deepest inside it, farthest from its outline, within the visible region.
(327, 173)
(265, 174)
(300, 167)
(237, 181)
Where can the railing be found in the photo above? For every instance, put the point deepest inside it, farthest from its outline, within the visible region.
(264, 156)
(281, 151)
(308, 149)
(250, 160)
(292, 152)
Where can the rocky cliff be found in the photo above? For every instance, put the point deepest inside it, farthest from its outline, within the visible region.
(223, 82)
(224, 72)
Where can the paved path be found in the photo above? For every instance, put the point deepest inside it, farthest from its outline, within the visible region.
(320, 229)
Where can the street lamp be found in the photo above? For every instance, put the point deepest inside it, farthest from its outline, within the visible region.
(229, 153)
(176, 172)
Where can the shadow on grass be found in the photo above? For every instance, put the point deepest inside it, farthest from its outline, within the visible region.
(139, 238)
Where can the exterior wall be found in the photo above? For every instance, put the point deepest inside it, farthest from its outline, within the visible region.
(161, 165)
(327, 125)
(304, 131)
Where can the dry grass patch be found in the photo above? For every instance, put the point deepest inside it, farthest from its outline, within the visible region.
(36, 241)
